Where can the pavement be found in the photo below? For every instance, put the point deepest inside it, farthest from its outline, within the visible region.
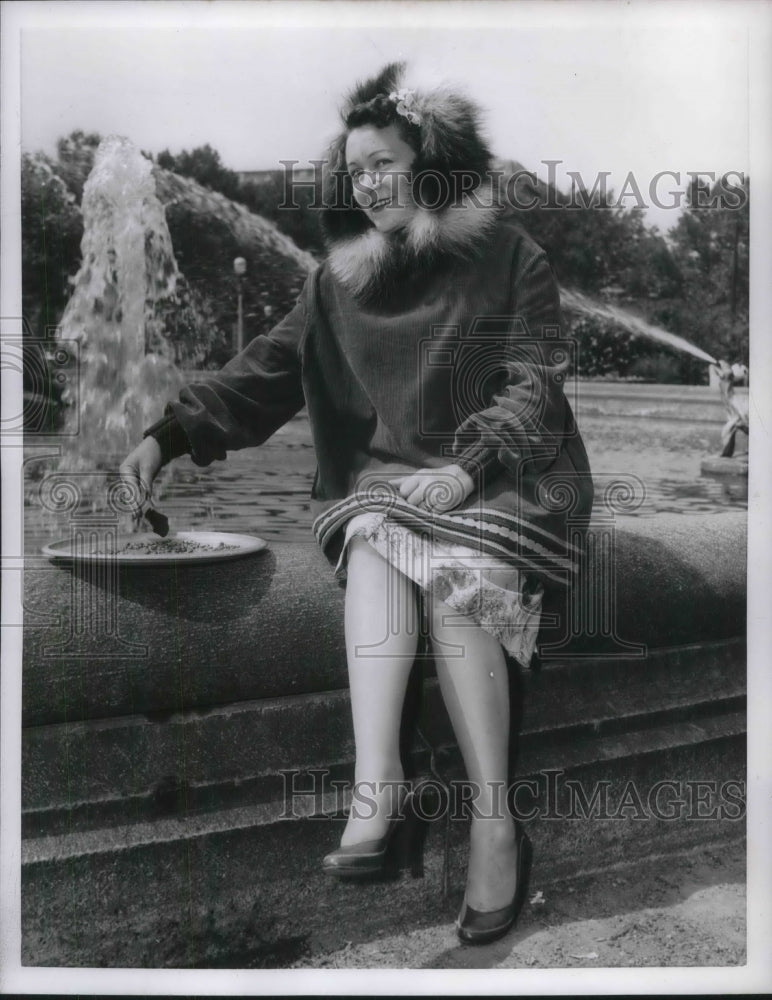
(673, 910)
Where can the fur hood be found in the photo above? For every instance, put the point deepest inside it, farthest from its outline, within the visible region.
(444, 127)
(373, 265)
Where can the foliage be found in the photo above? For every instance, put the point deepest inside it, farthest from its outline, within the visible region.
(268, 198)
(191, 329)
(605, 352)
(52, 229)
(292, 210)
(204, 165)
(75, 158)
(207, 233)
(692, 281)
(711, 244)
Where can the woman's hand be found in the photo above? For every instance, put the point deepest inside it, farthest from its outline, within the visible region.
(139, 469)
(437, 490)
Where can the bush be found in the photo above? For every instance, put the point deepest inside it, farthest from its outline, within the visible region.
(606, 351)
(52, 229)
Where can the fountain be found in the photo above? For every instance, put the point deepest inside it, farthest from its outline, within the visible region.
(123, 296)
(733, 459)
(577, 302)
(126, 282)
(165, 711)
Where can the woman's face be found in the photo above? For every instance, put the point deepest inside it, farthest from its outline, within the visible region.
(379, 162)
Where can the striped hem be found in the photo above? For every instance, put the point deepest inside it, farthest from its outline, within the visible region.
(497, 533)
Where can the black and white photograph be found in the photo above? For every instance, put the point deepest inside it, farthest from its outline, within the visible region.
(385, 497)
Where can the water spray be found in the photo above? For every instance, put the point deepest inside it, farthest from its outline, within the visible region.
(633, 324)
(128, 273)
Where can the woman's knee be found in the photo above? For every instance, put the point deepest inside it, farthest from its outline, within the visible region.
(372, 577)
(363, 563)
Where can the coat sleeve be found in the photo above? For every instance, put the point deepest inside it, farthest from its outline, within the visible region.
(526, 417)
(240, 406)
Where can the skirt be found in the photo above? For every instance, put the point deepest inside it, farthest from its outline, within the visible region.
(491, 592)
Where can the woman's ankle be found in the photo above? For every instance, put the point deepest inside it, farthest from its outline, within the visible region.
(493, 832)
(370, 796)
(375, 804)
(378, 774)
(493, 865)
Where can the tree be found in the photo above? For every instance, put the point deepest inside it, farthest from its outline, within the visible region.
(711, 248)
(52, 229)
(75, 158)
(204, 165)
(300, 222)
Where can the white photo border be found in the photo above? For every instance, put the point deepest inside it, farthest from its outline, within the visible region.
(756, 976)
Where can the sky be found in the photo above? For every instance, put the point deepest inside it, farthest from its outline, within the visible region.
(601, 86)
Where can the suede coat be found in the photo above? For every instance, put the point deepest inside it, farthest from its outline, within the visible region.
(441, 344)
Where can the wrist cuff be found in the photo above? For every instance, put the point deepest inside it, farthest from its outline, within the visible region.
(478, 463)
(170, 436)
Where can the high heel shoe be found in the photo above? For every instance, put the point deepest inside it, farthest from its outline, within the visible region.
(482, 927)
(400, 847)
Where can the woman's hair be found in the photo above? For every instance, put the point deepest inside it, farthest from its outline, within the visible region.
(381, 111)
(442, 127)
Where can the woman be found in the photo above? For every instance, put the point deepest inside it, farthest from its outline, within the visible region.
(427, 348)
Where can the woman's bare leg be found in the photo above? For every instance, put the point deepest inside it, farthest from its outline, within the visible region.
(473, 678)
(381, 626)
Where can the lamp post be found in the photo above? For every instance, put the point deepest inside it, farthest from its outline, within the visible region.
(240, 269)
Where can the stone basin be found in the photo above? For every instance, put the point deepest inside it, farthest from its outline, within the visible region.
(270, 625)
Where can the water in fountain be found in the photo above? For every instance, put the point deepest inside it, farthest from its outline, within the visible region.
(115, 313)
(577, 302)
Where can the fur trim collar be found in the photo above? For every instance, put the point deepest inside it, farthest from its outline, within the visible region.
(372, 265)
